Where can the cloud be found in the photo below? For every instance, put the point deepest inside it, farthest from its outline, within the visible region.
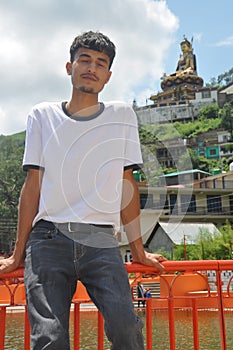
(197, 37)
(35, 41)
(226, 42)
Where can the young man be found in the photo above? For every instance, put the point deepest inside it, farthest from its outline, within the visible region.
(79, 157)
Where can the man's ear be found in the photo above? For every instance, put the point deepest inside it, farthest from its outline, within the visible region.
(69, 68)
(108, 77)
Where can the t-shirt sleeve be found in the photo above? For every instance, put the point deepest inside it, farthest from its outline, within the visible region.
(33, 158)
(133, 155)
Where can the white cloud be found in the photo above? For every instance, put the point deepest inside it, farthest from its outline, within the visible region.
(226, 42)
(35, 40)
(197, 37)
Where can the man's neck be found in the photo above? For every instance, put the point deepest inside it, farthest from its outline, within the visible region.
(83, 105)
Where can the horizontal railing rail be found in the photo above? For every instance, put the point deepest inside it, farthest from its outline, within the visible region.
(170, 299)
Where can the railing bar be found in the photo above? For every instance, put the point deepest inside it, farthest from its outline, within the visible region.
(195, 325)
(171, 317)
(2, 326)
(100, 331)
(149, 341)
(76, 326)
(27, 331)
(217, 266)
(221, 311)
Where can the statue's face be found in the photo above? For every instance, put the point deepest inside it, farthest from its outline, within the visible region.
(185, 48)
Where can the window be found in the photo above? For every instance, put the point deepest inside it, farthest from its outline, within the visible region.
(231, 204)
(213, 152)
(188, 203)
(163, 201)
(128, 256)
(146, 200)
(173, 204)
(205, 94)
(214, 204)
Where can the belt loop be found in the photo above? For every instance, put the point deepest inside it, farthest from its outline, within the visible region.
(69, 227)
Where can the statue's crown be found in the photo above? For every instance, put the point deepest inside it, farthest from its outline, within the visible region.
(186, 41)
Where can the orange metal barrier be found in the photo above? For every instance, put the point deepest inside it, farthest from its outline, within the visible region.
(184, 285)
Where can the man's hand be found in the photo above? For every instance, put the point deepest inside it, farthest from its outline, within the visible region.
(152, 260)
(8, 265)
(130, 215)
(28, 207)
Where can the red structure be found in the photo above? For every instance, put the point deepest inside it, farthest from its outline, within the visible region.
(184, 285)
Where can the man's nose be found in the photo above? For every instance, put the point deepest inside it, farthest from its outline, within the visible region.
(92, 67)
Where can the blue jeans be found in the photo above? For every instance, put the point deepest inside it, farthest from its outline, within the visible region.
(54, 263)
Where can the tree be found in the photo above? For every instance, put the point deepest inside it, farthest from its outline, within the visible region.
(226, 241)
(11, 180)
(208, 112)
(223, 79)
(193, 252)
(209, 246)
(226, 77)
(226, 114)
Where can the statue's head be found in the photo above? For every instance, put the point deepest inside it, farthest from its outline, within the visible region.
(186, 41)
(186, 45)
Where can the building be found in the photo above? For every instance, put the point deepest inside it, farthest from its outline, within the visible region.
(186, 177)
(182, 111)
(206, 200)
(225, 94)
(167, 235)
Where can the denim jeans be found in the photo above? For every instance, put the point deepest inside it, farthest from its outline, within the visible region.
(54, 263)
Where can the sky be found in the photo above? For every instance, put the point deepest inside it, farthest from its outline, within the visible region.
(36, 37)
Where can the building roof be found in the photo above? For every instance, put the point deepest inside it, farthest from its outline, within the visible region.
(228, 89)
(177, 173)
(177, 231)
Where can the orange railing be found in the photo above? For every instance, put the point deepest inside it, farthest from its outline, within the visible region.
(184, 285)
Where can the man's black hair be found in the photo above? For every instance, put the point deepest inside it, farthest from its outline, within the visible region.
(94, 41)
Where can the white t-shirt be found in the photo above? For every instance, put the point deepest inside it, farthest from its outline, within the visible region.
(83, 160)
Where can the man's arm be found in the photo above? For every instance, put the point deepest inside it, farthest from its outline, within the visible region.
(28, 208)
(130, 215)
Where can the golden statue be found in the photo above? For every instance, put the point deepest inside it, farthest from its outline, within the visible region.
(186, 71)
(187, 61)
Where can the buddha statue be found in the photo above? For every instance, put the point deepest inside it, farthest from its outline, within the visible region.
(186, 71)
(187, 61)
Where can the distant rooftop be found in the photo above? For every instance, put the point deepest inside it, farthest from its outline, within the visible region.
(193, 171)
(191, 231)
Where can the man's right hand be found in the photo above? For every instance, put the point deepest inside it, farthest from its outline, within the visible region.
(28, 207)
(8, 265)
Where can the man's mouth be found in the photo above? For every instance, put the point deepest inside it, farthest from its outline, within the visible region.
(89, 77)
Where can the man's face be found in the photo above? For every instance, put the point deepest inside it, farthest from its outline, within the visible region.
(89, 71)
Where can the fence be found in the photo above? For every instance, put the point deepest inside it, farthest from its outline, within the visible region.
(184, 285)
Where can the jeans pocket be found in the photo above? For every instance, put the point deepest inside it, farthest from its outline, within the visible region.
(41, 234)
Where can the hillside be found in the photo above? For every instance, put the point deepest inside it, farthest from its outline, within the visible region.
(18, 137)
(161, 132)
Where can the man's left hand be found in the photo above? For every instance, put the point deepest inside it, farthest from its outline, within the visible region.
(152, 260)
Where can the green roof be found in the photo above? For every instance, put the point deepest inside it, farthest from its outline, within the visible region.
(193, 171)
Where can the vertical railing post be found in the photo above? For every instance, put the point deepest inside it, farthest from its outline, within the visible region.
(100, 331)
(76, 326)
(2, 326)
(149, 324)
(221, 311)
(195, 325)
(171, 318)
(26, 330)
